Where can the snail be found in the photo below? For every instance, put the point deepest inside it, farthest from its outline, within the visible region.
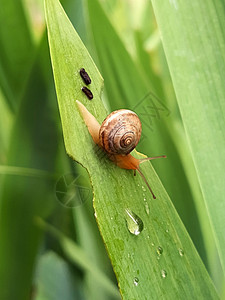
(118, 135)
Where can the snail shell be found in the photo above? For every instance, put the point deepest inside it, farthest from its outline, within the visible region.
(120, 132)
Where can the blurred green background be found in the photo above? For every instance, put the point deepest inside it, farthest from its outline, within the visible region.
(39, 181)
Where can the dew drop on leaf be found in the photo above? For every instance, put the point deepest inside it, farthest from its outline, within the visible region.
(147, 208)
(134, 223)
(136, 281)
(163, 273)
(159, 250)
(181, 252)
(143, 188)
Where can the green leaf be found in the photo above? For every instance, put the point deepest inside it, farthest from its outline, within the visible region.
(193, 37)
(89, 238)
(29, 172)
(5, 127)
(16, 50)
(54, 280)
(78, 256)
(160, 259)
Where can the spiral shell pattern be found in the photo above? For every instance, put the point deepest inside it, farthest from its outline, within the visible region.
(120, 132)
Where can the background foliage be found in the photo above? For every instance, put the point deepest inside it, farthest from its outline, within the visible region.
(38, 260)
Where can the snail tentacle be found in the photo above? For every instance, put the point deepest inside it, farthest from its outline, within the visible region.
(145, 180)
(151, 158)
(92, 124)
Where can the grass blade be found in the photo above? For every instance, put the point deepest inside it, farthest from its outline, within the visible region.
(16, 50)
(193, 37)
(161, 259)
(54, 279)
(33, 144)
(79, 257)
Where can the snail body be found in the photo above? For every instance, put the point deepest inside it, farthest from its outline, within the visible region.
(118, 135)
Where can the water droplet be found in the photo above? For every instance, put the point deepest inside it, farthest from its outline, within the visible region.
(163, 273)
(181, 252)
(134, 223)
(147, 208)
(136, 281)
(152, 244)
(167, 230)
(95, 214)
(159, 250)
(143, 188)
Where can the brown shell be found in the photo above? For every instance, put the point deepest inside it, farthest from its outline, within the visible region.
(120, 132)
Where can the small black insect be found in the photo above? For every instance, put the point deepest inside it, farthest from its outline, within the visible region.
(87, 92)
(84, 75)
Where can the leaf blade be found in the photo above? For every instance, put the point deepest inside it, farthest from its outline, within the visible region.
(196, 60)
(116, 190)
